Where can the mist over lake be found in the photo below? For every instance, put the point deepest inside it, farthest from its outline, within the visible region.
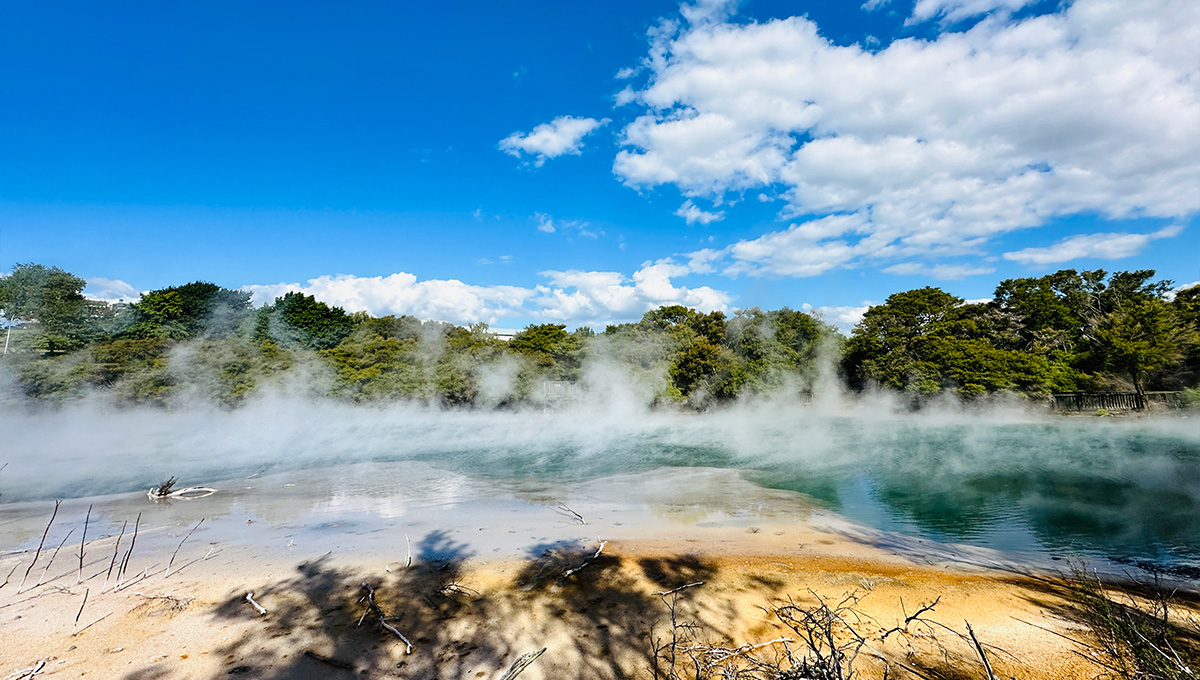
(1006, 478)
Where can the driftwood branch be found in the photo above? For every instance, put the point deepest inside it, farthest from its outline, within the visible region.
(586, 561)
(664, 593)
(380, 617)
(262, 611)
(42, 578)
(82, 543)
(987, 666)
(116, 550)
(185, 538)
(522, 663)
(40, 545)
(562, 509)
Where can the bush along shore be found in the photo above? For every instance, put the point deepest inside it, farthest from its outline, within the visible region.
(1065, 333)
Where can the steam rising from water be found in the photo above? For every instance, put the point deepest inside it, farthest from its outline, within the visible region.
(1004, 478)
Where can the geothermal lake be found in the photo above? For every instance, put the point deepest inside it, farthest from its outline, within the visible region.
(1020, 485)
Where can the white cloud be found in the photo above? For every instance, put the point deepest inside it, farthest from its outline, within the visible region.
(598, 297)
(401, 293)
(951, 11)
(845, 318)
(549, 225)
(693, 214)
(937, 146)
(563, 135)
(110, 290)
(576, 297)
(1112, 246)
(941, 272)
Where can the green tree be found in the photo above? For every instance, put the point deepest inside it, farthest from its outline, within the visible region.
(189, 310)
(304, 320)
(1143, 336)
(51, 298)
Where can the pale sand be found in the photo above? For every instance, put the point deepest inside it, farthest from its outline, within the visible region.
(480, 591)
(596, 624)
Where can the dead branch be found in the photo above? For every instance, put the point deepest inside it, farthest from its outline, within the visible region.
(185, 538)
(82, 543)
(132, 542)
(987, 666)
(42, 543)
(167, 490)
(262, 611)
(380, 617)
(664, 593)
(78, 632)
(329, 660)
(586, 561)
(113, 563)
(522, 663)
(78, 614)
(52, 556)
(562, 509)
(25, 673)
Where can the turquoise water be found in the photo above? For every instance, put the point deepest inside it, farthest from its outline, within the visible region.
(1127, 490)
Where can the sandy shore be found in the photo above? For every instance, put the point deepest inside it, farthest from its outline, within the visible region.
(476, 576)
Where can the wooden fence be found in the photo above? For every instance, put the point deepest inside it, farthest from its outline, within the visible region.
(1113, 401)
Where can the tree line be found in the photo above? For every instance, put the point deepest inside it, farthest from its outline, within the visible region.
(1063, 332)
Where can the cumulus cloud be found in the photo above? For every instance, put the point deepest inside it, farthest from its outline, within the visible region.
(951, 11)
(693, 214)
(1112, 246)
(934, 146)
(573, 296)
(563, 135)
(110, 290)
(845, 318)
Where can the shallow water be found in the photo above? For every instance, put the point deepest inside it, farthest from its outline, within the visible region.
(1126, 490)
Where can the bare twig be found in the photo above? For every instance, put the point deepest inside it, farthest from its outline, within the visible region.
(587, 560)
(26, 673)
(52, 556)
(522, 663)
(82, 543)
(380, 617)
(91, 624)
(987, 666)
(113, 563)
(562, 509)
(262, 611)
(86, 592)
(132, 542)
(39, 550)
(185, 538)
(676, 590)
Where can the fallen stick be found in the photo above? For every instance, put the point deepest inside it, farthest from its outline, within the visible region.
(52, 556)
(116, 549)
(86, 592)
(987, 667)
(381, 618)
(132, 542)
(664, 593)
(562, 509)
(522, 663)
(571, 572)
(185, 538)
(10, 573)
(329, 660)
(198, 559)
(27, 672)
(82, 543)
(39, 550)
(262, 611)
(146, 573)
(91, 624)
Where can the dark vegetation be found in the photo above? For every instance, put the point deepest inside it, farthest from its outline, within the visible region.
(1064, 332)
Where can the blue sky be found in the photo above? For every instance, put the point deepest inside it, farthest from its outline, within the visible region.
(519, 163)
